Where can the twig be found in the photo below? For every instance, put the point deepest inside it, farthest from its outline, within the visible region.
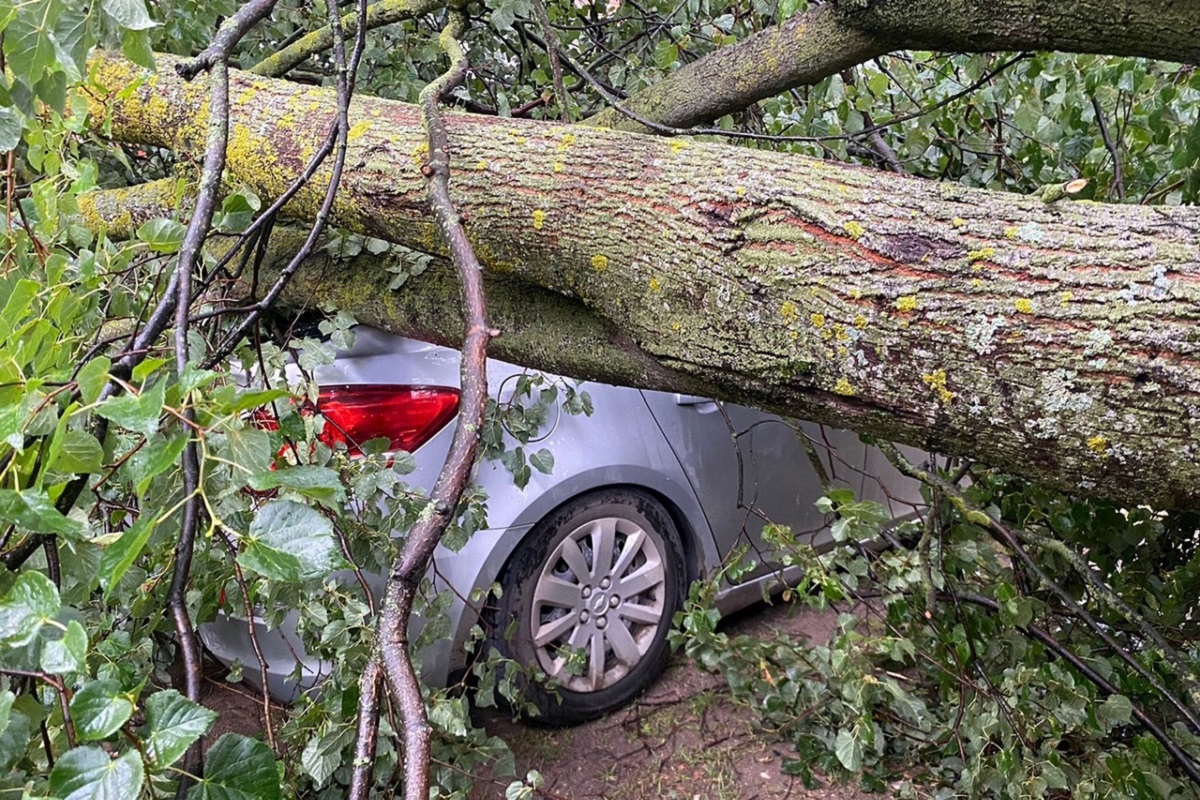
(552, 46)
(1118, 174)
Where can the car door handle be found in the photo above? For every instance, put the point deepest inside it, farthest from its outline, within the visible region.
(693, 400)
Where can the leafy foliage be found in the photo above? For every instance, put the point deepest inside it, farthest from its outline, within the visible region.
(957, 654)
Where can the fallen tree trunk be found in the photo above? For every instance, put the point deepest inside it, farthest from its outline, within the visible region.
(1055, 340)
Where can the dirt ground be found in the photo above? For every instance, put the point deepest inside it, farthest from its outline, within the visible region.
(684, 739)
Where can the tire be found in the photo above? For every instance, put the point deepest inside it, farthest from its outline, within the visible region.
(589, 649)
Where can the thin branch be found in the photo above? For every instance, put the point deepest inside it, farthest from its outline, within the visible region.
(413, 561)
(384, 12)
(1111, 146)
(552, 47)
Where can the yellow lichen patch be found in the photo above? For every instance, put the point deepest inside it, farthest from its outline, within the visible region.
(675, 326)
(357, 130)
(539, 219)
(906, 303)
(599, 262)
(855, 293)
(788, 310)
(558, 166)
(839, 333)
(826, 335)
(740, 191)
(976, 283)
(1024, 305)
(854, 229)
(481, 164)
(982, 254)
(1098, 444)
(843, 388)
(860, 321)
(566, 141)
(957, 222)
(1010, 232)
(818, 320)
(936, 381)
(1065, 299)
(655, 285)
(678, 145)
(419, 153)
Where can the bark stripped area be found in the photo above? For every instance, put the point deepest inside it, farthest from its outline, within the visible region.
(1056, 339)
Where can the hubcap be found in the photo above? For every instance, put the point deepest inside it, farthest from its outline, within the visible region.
(598, 604)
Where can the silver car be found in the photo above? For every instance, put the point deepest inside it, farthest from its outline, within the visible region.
(649, 493)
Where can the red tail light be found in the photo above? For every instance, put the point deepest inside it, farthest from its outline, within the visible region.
(407, 416)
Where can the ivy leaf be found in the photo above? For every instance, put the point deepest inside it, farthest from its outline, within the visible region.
(849, 750)
(26, 607)
(172, 723)
(118, 557)
(99, 710)
(542, 461)
(288, 541)
(162, 235)
(32, 511)
(90, 773)
(137, 413)
(130, 14)
(238, 768)
(68, 654)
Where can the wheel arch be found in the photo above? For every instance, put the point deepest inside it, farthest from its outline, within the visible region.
(677, 498)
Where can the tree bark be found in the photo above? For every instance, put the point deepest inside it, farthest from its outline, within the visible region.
(1055, 340)
(838, 34)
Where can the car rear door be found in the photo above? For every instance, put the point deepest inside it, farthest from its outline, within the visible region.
(746, 468)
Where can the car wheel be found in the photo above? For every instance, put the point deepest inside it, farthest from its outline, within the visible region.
(587, 603)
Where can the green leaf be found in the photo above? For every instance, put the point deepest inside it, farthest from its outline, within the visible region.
(173, 723)
(250, 448)
(24, 714)
(162, 235)
(849, 750)
(26, 607)
(130, 14)
(238, 768)
(321, 757)
(1116, 710)
(68, 654)
(28, 45)
(12, 125)
(32, 512)
(19, 299)
(542, 461)
(79, 452)
(90, 773)
(151, 461)
(320, 483)
(138, 413)
(99, 710)
(92, 377)
(288, 541)
(118, 557)
(135, 45)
